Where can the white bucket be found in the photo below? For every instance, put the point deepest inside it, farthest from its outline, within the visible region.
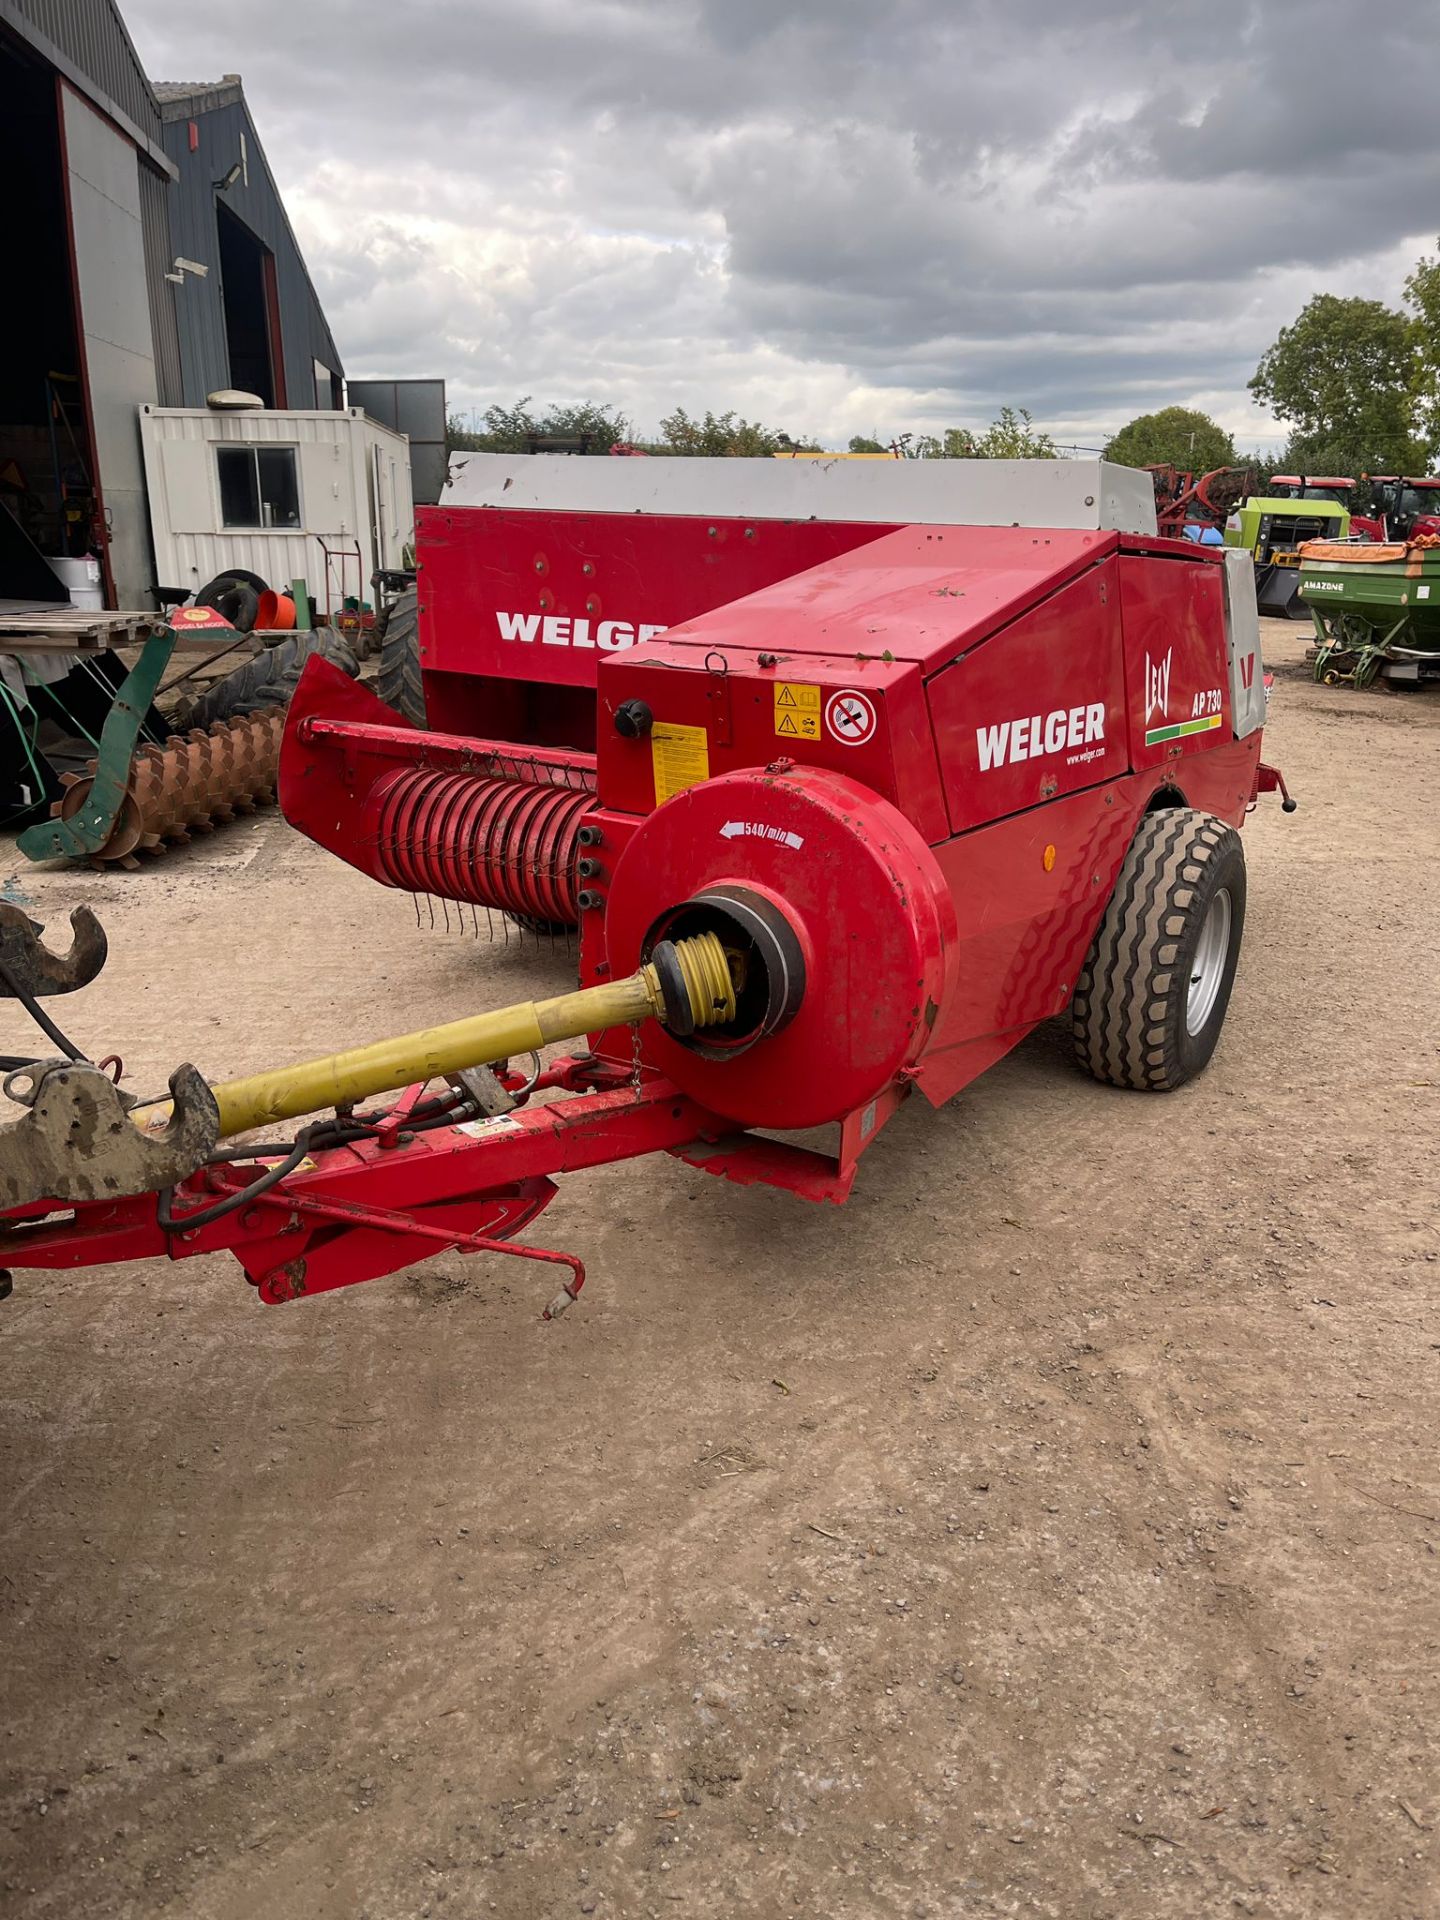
(80, 579)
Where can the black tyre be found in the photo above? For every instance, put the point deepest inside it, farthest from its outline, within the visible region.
(269, 678)
(233, 599)
(1152, 995)
(245, 577)
(398, 681)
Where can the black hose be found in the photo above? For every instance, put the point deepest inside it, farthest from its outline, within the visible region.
(38, 1014)
(324, 1133)
(204, 1216)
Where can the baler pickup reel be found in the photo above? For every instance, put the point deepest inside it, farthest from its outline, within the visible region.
(133, 1173)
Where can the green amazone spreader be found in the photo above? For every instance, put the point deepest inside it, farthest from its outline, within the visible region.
(1376, 610)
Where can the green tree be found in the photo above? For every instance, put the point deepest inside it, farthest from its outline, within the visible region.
(516, 429)
(1176, 437)
(723, 434)
(1422, 296)
(1011, 437)
(862, 443)
(1344, 376)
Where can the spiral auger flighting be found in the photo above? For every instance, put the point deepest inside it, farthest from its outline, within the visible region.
(190, 783)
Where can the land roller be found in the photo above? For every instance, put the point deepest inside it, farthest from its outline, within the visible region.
(190, 783)
(958, 755)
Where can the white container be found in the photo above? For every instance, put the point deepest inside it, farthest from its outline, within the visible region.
(80, 579)
(348, 504)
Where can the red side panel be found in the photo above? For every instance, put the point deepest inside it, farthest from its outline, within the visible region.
(1039, 709)
(863, 718)
(544, 596)
(1025, 926)
(1176, 669)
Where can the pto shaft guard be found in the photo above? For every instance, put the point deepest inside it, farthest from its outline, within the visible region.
(849, 925)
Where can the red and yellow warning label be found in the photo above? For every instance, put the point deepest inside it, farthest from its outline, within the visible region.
(797, 711)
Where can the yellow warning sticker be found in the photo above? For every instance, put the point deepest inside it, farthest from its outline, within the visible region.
(797, 711)
(680, 757)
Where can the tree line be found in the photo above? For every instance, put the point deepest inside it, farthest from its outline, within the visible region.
(1356, 383)
(590, 428)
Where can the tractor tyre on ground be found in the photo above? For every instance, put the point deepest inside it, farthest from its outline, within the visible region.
(233, 598)
(398, 681)
(1151, 998)
(270, 677)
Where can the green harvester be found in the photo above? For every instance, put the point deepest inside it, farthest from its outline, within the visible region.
(1272, 532)
(1376, 611)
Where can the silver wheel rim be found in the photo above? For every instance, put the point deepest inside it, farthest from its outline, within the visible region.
(1207, 969)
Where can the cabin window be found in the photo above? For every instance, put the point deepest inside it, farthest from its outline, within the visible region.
(258, 487)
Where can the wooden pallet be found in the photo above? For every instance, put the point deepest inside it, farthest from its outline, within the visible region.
(79, 628)
(82, 630)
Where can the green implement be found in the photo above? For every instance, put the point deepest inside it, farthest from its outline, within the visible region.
(1376, 611)
(86, 831)
(1272, 531)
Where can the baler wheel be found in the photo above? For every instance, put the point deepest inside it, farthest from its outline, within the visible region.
(1152, 995)
(398, 682)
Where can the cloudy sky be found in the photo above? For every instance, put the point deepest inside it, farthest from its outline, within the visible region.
(837, 216)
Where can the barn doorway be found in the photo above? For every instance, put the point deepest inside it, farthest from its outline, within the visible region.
(252, 310)
(47, 474)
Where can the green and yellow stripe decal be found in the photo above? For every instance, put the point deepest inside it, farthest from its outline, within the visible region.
(1182, 729)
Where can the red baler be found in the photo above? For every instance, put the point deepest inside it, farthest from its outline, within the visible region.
(851, 833)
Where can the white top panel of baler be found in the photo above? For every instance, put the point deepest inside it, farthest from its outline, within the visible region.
(957, 493)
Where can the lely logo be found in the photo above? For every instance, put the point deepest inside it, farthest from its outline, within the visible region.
(1157, 687)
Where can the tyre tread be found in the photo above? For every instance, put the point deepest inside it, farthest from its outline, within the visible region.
(1122, 1001)
(398, 681)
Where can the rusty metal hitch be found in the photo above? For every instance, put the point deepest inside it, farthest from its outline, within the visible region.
(78, 1143)
(27, 966)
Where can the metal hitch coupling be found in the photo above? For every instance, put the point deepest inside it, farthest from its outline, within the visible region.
(78, 1143)
(28, 966)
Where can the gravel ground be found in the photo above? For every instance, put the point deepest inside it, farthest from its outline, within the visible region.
(1050, 1531)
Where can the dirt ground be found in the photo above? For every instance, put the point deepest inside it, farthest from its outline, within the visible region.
(1050, 1531)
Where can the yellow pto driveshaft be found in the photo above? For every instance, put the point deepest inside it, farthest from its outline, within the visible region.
(685, 984)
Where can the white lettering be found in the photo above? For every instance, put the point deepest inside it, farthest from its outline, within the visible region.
(1043, 733)
(518, 626)
(992, 742)
(555, 630)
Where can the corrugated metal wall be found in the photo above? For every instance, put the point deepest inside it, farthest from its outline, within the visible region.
(415, 408)
(116, 328)
(92, 35)
(155, 224)
(305, 335)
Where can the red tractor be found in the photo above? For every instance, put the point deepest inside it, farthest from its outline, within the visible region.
(1335, 488)
(1407, 508)
(850, 777)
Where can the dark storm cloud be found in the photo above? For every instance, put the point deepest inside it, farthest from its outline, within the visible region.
(829, 212)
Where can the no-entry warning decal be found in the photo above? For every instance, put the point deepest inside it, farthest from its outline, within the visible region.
(797, 711)
(850, 718)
